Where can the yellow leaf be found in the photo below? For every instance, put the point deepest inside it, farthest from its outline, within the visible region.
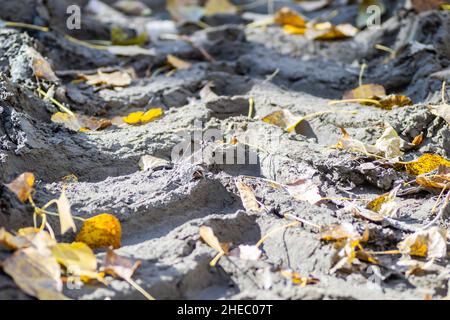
(140, 117)
(207, 235)
(178, 63)
(431, 243)
(120, 37)
(296, 278)
(281, 118)
(41, 67)
(248, 197)
(394, 101)
(80, 123)
(22, 186)
(425, 163)
(119, 266)
(101, 231)
(288, 16)
(385, 204)
(336, 232)
(293, 29)
(366, 91)
(327, 31)
(441, 180)
(114, 79)
(76, 257)
(65, 216)
(219, 7)
(417, 141)
(36, 272)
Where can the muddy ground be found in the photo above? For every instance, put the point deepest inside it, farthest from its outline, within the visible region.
(161, 210)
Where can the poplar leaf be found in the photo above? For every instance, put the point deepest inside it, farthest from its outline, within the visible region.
(22, 186)
(101, 231)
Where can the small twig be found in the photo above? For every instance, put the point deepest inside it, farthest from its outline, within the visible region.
(288, 215)
(25, 25)
(441, 212)
(140, 289)
(361, 74)
(56, 102)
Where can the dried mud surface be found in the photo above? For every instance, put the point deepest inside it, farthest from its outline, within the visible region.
(161, 210)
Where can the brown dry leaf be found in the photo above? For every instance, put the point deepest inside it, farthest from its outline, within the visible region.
(207, 235)
(141, 117)
(119, 266)
(431, 243)
(375, 95)
(350, 252)
(441, 180)
(80, 122)
(36, 272)
(337, 232)
(425, 5)
(288, 16)
(65, 216)
(424, 164)
(41, 67)
(296, 278)
(304, 190)
(394, 101)
(101, 231)
(219, 7)
(281, 118)
(114, 79)
(178, 63)
(248, 197)
(327, 31)
(22, 186)
(417, 141)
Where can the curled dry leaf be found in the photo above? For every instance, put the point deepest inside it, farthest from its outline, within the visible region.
(375, 95)
(337, 232)
(248, 197)
(80, 122)
(119, 266)
(424, 164)
(41, 67)
(22, 186)
(386, 204)
(36, 272)
(327, 31)
(101, 231)
(281, 118)
(365, 91)
(288, 16)
(441, 180)
(431, 243)
(178, 63)
(304, 190)
(141, 117)
(65, 215)
(207, 235)
(350, 252)
(296, 278)
(114, 79)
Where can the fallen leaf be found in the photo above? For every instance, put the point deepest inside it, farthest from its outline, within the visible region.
(337, 232)
(431, 243)
(424, 164)
(132, 7)
(417, 141)
(281, 118)
(77, 258)
(296, 278)
(365, 91)
(386, 204)
(441, 110)
(213, 7)
(304, 190)
(327, 31)
(65, 216)
(41, 67)
(288, 16)
(22, 186)
(441, 180)
(148, 162)
(141, 117)
(375, 95)
(36, 272)
(120, 37)
(178, 63)
(80, 123)
(115, 79)
(350, 252)
(248, 197)
(12, 242)
(394, 101)
(119, 266)
(207, 235)
(101, 231)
